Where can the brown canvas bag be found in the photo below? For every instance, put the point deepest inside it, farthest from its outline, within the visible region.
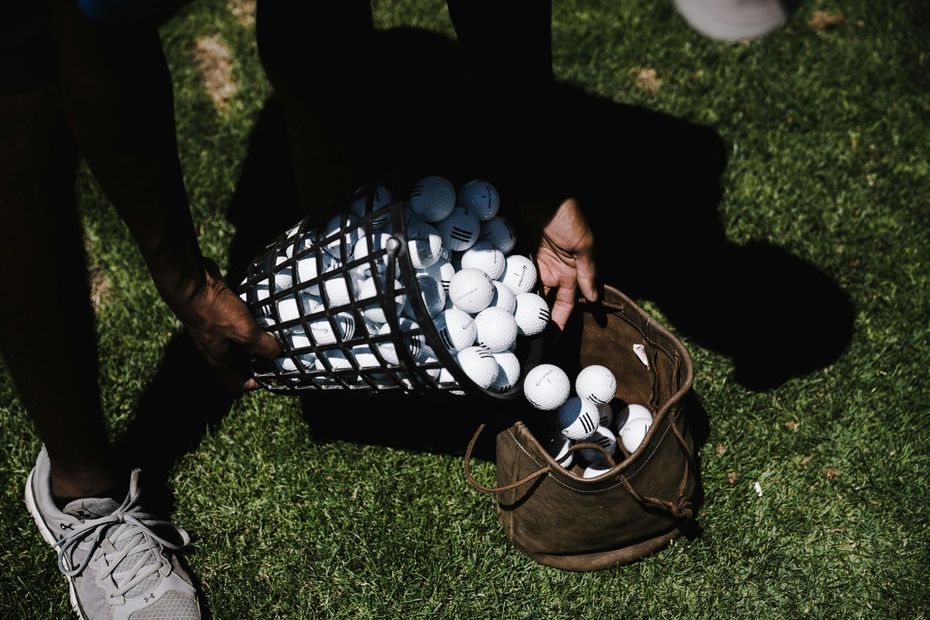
(559, 518)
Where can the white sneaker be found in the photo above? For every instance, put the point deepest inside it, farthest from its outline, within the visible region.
(117, 567)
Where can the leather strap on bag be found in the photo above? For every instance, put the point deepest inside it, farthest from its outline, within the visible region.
(477, 485)
(681, 507)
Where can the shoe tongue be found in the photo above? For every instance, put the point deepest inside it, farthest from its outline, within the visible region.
(91, 507)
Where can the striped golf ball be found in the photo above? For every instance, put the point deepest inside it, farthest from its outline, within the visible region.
(532, 314)
(597, 384)
(479, 364)
(577, 418)
(460, 230)
(432, 198)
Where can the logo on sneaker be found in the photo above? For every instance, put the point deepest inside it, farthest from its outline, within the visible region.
(66, 526)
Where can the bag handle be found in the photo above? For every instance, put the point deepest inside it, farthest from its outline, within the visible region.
(477, 485)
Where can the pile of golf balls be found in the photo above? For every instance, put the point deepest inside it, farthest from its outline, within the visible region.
(477, 293)
(594, 415)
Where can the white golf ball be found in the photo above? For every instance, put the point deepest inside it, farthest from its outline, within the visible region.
(503, 298)
(456, 329)
(379, 198)
(532, 314)
(481, 198)
(288, 309)
(441, 271)
(287, 364)
(308, 270)
(546, 387)
(479, 364)
(432, 198)
(296, 337)
(509, 373)
(578, 418)
(471, 290)
(341, 328)
(424, 243)
(499, 233)
(460, 230)
(633, 431)
(350, 233)
(374, 312)
(379, 243)
(605, 415)
(557, 446)
(604, 437)
(519, 274)
(364, 356)
(446, 378)
(630, 412)
(497, 330)
(484, 257)
(432, 294)
(414, 342)
(338, 361)
(597, 384)
(340, 290)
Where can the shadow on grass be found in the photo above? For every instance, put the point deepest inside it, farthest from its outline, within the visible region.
(650, 184)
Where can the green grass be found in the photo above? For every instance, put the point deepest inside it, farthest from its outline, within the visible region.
(827, 135)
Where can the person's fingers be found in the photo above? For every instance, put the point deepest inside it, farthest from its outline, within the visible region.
(250, 384)
(587, 275)
(563, 304)
(263, 344)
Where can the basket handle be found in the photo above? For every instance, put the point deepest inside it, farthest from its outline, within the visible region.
(681, 507)
(480, 487)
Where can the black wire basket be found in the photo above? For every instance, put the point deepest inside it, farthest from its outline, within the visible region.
(333, 344)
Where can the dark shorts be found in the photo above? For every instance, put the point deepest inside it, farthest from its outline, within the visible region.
(27, 59)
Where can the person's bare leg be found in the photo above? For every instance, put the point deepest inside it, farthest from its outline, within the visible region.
(47, 333)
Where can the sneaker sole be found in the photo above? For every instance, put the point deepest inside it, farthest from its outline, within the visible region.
(50, 539)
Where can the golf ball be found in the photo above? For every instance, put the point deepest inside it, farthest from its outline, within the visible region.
(432, 294)
(479, 364)
(556, 445)
(471, 290)
(424, 243)
(631, 412)
(456, 329)
(577, 418)
(605, 415)
(604, 437)
(324, 331)
(633, 431)
(368, 289)
(481, 198)
(519, 274)
(546, 387)
(509, 373)
(503, 298)
(497, 329)
(499, 233)
(460, 230)
(531, 314)
(441, 271)
(432, 198)
(484, 257)
(413, 342)
(378, 197)
(597, 384)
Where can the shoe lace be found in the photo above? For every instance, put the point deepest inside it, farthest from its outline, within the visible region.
(126, 523)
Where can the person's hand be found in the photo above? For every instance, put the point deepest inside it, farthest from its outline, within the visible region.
(566, 261)
(223, 330)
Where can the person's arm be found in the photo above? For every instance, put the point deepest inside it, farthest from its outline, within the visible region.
(508, 51)
(117, 95)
